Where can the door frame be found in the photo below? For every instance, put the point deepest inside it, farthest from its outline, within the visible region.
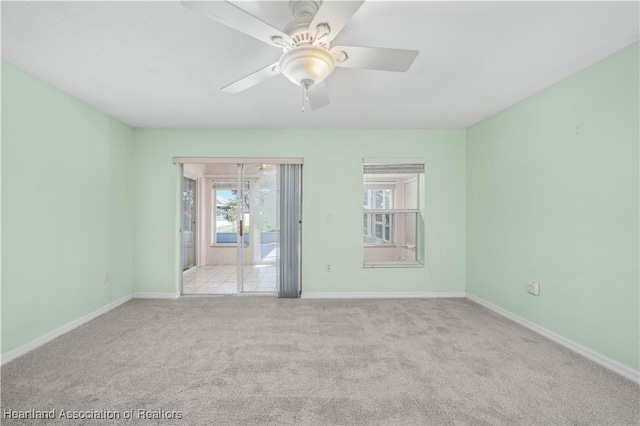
(179, 162)
(197, 240)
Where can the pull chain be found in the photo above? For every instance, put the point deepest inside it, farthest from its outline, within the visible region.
(304, 96)
(305, 92)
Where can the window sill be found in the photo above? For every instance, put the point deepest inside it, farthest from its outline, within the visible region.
(379, 245)
(226, 245)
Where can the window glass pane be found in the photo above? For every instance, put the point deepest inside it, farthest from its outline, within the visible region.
(379, 200)
(378, 228)
(387, 228)
(225, 226)
(226, 216)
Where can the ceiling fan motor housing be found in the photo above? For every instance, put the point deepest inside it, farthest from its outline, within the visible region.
(307, 63)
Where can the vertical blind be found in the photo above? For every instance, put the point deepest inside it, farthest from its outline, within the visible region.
(290, 202)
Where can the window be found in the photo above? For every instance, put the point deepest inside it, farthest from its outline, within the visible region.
(225, 213)
(391, 212)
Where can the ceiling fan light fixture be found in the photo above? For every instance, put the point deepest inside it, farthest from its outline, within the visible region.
(308, 58)
(307, 63)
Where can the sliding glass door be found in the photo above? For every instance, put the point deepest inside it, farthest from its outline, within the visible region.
(246, 230)
(258, 228)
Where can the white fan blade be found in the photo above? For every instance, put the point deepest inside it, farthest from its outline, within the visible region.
(236, 18)
(336, 14)
(318, 97)
(252, 79)
(375, 58)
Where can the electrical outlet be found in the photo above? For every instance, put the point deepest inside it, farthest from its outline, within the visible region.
(533, 288)
(327, 268)
(107, 277)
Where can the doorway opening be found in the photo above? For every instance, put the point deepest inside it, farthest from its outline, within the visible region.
(238, 226)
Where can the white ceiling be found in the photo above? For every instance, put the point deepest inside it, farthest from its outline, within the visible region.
(158, 64)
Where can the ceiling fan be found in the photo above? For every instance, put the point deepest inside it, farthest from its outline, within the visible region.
(308, 57)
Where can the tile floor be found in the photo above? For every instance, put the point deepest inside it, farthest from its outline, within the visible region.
(222, 279)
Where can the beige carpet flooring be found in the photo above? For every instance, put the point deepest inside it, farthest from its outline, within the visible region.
(262, 360)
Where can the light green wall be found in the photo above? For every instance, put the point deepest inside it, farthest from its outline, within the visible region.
(549, 186)
(552, 196)
(332, 184)
(67, 208)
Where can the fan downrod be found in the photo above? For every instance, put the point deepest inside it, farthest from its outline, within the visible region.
(304, 9)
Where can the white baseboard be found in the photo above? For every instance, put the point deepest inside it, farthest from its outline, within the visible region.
(156, 295)
(590, 354)
(384, 295)
(17, 352)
